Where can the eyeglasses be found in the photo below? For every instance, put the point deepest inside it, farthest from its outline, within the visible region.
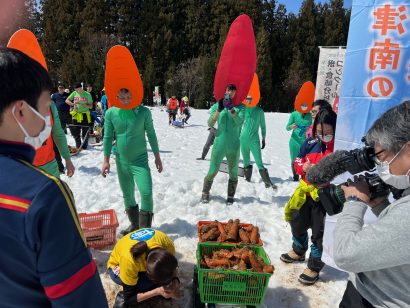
(376, 158)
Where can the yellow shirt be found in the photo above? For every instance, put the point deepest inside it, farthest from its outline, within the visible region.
(121, 255)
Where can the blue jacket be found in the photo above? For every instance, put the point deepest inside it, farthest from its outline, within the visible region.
(44, 261)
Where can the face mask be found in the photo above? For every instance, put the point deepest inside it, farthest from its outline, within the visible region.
(36, 142)
(326, 138)
(397, 181)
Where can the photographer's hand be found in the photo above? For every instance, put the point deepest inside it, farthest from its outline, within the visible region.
(358, 188)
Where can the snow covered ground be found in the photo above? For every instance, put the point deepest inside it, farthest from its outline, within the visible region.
(177, 191)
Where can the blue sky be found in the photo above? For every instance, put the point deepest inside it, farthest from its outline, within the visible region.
(294, 5)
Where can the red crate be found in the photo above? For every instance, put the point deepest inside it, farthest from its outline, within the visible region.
(241, 225)
(99, 228)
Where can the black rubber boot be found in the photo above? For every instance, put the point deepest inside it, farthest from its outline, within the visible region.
(231, 191)
(248, 172)
(295, 175)
(266, 178)
(145, 219)
(205, 190)
(311, 274)
(133, 217)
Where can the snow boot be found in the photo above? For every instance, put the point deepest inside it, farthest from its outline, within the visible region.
(133, 217)
(231, 191)
(145, 219)
(308, 277)
(205, 190)
(295, 175)
(248, 172)
(291, 257)
(266, 179)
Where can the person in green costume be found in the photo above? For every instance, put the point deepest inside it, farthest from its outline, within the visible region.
(130, 127)
(58, 136)
(254, 119)
(226, 144)
(299, 123)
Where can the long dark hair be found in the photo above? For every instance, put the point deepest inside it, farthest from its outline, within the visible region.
(325, 116)
(161, 264)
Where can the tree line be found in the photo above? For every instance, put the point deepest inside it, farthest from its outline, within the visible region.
(177, 43)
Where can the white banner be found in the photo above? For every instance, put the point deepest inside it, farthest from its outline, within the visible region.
(329, 73)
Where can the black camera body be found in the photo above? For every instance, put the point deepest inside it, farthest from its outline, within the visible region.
(354, 161)
(333, 198)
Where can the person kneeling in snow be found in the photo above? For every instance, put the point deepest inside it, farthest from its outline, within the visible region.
(144, 263)
(130, 127)
(304, 209)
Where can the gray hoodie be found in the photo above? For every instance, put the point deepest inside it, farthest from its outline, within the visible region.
(378, 255)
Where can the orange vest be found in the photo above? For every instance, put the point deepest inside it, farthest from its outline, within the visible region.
(173, 104)
(45, 153)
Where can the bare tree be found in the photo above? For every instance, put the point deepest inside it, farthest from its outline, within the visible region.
(188, 74)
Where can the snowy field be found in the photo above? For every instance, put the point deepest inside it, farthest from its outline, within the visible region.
(177, 191)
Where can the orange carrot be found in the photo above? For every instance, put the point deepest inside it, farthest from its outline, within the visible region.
(223, 253)
(242, 265)
(248, 228)
(211, 235)
(206, 228)
(268, 269)
(256, 266)
(244, 236)
(228, 225)
(221, 229)
(233, 231)
(254, 235)
(214, 263)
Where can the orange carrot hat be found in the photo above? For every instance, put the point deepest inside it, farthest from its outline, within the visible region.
(25, 41)
(121, 71)
(304, 99)
(237, 62)
(254, 93)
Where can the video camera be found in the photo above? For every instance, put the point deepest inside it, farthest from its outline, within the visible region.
(355, 161)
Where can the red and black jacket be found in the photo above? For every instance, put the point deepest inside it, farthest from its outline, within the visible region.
(312, 150)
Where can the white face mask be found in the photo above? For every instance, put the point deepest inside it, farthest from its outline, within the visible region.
(397, 181)
(326, 138)
(36, 142)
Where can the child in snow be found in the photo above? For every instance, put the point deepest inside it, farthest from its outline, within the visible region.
(130, 127)
(184, 109)
(143, 263)
(304, 209)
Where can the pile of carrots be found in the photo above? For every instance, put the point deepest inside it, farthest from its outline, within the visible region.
(238, 259)
(231, 232)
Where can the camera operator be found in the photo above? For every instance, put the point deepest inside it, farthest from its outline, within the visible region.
(378, 255)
